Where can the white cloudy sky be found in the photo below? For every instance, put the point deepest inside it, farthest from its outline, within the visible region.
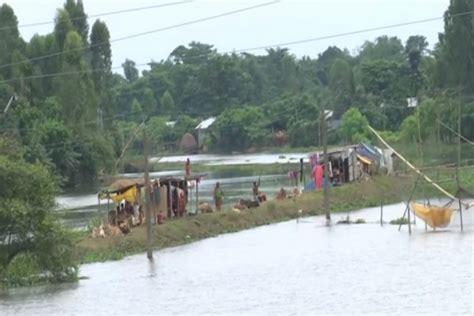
(285, 21)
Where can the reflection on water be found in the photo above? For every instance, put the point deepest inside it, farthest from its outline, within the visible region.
(287, 268)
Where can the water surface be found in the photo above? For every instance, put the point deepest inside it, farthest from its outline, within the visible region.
(287, 268)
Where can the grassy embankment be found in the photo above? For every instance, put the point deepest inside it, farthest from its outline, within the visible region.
(185, 230)
(343, 199)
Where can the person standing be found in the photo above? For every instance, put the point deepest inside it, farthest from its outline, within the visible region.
(255, 190)
(187, 168)
(218, 196)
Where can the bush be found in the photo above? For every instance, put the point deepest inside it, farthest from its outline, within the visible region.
(34, 247)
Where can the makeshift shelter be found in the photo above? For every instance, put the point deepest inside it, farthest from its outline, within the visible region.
(172, 187)
(122, 189)
(342, 163)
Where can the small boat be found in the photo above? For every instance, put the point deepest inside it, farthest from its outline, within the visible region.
(433, 216)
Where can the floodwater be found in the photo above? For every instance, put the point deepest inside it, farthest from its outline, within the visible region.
(237, 159)
(80, 209)
(288, 268)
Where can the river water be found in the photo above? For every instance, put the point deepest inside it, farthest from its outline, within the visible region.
(286, 268)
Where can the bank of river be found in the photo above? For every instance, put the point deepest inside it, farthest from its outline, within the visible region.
(185, 230)
(285, 268)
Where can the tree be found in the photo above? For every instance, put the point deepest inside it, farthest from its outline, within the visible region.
(137, 109)
(240, 128)
(101, 63)
(325, 61)
(197, 53)
(167, 102)
(33, 243)
(130, 71)
(62, 27)
(76, 92)
(457, 47)
(354, 127)
(78, 17)
(414, 49)
(384, 47)
(341, 82)
(10, 38)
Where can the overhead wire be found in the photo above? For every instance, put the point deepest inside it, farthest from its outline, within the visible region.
(281, 44)
(155, 6)
(127, 37)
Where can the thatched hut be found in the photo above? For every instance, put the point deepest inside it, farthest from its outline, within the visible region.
(188, 143)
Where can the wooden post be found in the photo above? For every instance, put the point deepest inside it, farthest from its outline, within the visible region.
(459, 198)
(459, 138)
(381, 212)
(197, 196)
(458, 175)
(409, 220)
(326, 167)
(419, 135)
(407, 209)
(149, 251)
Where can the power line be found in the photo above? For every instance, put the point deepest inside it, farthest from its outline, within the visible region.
(166, 28)
(314, 39)
(99, 14)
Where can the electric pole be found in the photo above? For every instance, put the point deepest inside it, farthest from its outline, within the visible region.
(149, 252)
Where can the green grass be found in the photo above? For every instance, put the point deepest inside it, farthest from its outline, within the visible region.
(399, 221)
(186, 230)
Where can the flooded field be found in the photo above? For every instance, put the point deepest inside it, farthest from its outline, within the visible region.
(286, 268)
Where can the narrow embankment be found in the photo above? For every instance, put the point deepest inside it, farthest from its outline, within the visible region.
(185, 230)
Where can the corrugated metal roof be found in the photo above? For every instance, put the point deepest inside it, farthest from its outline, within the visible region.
(206, 123)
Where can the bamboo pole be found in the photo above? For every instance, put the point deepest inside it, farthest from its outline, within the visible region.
(413, 167)
(147, 197)
(326, 167)
(456, 133)
(381, 212)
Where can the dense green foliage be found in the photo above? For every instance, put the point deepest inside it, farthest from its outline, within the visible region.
(34, 247)
(79, 120)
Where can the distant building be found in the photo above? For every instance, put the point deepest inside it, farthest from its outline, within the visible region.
(203, 130)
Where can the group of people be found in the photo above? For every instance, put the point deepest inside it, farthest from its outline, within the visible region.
(258, 197)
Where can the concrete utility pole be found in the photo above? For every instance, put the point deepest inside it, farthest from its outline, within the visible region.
(149, 252)
(326, 165)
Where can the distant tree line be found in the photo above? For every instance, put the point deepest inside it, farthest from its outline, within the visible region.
(77, 122)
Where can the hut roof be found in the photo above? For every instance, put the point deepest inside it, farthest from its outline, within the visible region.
(188, 142)
(206, 123)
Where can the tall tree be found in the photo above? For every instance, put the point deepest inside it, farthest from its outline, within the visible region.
(457, 46)
(341, 82)
(63, 26)
(9, 38)
(101, 62)
(76, 92)
(78, 18)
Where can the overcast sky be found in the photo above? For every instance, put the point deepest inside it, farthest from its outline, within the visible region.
(285, 21)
